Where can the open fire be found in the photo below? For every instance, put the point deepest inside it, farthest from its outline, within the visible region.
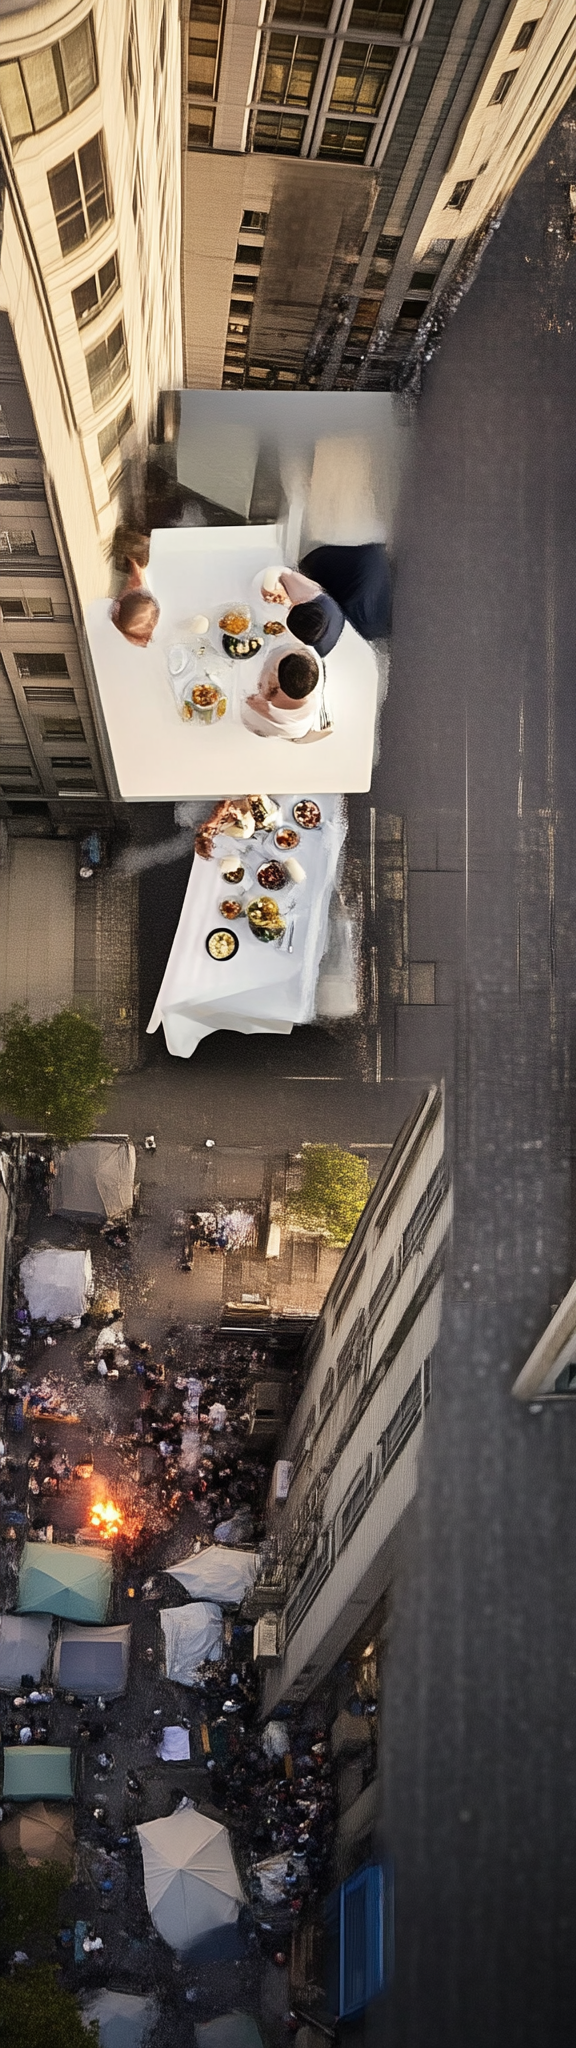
(106, 1518)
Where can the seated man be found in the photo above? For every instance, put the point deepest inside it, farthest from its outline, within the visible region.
(335, 584)
(286, 701)
(135, 612)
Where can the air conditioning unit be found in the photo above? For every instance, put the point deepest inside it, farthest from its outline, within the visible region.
(265, 1640)
(281, 1478)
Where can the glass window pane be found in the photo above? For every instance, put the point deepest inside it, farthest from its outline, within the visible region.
(200, 127)
(347, 139)
(67, 202)
(313, 11)
(55, 728)
(206, 10)
(202, 67)
(42, 75)
(379, 14)
(14, 103)
(92, 170)
(108, 278)
(85, 300)
(277, 72)
(281, 133)
(33, 664)
(78, 63)
(304, 71)
(13, 608)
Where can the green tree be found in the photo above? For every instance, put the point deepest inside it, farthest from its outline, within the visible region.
(335, 1189)
(52, 1073)
(35, 2012)
(29, 1904)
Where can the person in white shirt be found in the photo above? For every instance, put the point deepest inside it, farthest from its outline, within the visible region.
(286, 702)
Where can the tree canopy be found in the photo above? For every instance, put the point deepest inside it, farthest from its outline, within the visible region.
(52, 1073)
(335, 1188)
(36, 2012)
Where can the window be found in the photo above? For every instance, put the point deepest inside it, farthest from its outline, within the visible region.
(257, 221)
(405, 1420)
(354, 1504)
(250, 252)
(460, 194)
(426, 1209)
(36, 698)
(313, 12)
(17, 540)
(75, 761)
(379, 15)
(41, 664)
(361, 78)
(361, 1956)
(502, 88)
(9, 479)
(290, 70)
(350, 1357)
(110, 439)
(200, 127)
(80, 195)
(310, 1584)
(326, 1390)
(27, 608)
(381, 1296)
(81, 784)
(347, 139)
(107, 365)
(13, 608)
(39, 89)
(525, 35)
(56, 727)
(4, 428)
(280, 133)
(89, 297)
(204, 46)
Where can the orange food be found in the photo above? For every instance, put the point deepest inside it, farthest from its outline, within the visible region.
(274, 626)
(235, 622)
(204, 694)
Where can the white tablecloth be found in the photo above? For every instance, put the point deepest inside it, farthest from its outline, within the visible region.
(156, 755)
(264, 987)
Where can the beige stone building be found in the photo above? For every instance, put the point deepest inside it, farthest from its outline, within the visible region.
(341, 160)
(91, 331)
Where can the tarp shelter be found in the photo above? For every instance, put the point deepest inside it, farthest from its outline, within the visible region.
(37, 1772)
(190, 1878)
(94, 1178)
(59, 1578)
(124, 2019)
(23, 1649)
(40, 1834)
(58, 1284)
(92, 1660)
(216, 1574)
(192, 1636)
(230, 2030)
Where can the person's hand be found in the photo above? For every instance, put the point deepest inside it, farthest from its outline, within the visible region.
(273, 593)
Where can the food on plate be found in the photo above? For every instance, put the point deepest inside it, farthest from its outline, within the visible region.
(199, 624)
(307, 813)
(231, 907)
(286, 838)
(204, 694)
(273, 626)
(264, 919)
(186, 709)
(264, 812)
(235, 621)
(221, 945)
(241, 650)
(231, 870)
(272, 875)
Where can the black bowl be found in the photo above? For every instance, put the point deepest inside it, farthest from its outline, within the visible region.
(223, 931)
(231, 643)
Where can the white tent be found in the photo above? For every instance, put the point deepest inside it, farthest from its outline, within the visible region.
(58, 1285)
(190, 1878)
(94, 1178)
(192, 1636)
(124, 2020)
(24, 1642)
(217, 1574)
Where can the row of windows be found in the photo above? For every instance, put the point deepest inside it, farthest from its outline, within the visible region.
(292, 64)
(244, 285)
(37, 90)
(290, 71)
(461, 190)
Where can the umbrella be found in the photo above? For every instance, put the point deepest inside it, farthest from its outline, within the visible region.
(40, 1833)
(123, 2019)
(216, 1575)
(190, 1878)
(59, 1578)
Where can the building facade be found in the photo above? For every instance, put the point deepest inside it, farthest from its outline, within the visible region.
(91, 331)
(342, 163)
(350, 1455)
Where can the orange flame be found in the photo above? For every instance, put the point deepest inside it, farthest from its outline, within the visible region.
(106, 1518)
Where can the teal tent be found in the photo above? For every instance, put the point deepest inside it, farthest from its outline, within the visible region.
(57, 1578)
(37, 1772)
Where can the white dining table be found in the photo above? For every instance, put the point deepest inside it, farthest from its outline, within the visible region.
(159, 757)
(264, 987)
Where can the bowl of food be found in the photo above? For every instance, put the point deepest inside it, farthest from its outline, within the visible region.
(273, 627)
(207, 703)
(307, 813)
(232, 870)
(265, 813)
(222, 945)
(272, 875)
(241, 648)
(230, 908)
(264, 919)
(286, 839)
(235, 619)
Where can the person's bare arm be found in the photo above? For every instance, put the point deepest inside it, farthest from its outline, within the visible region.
(308, 738)
(299, 588)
